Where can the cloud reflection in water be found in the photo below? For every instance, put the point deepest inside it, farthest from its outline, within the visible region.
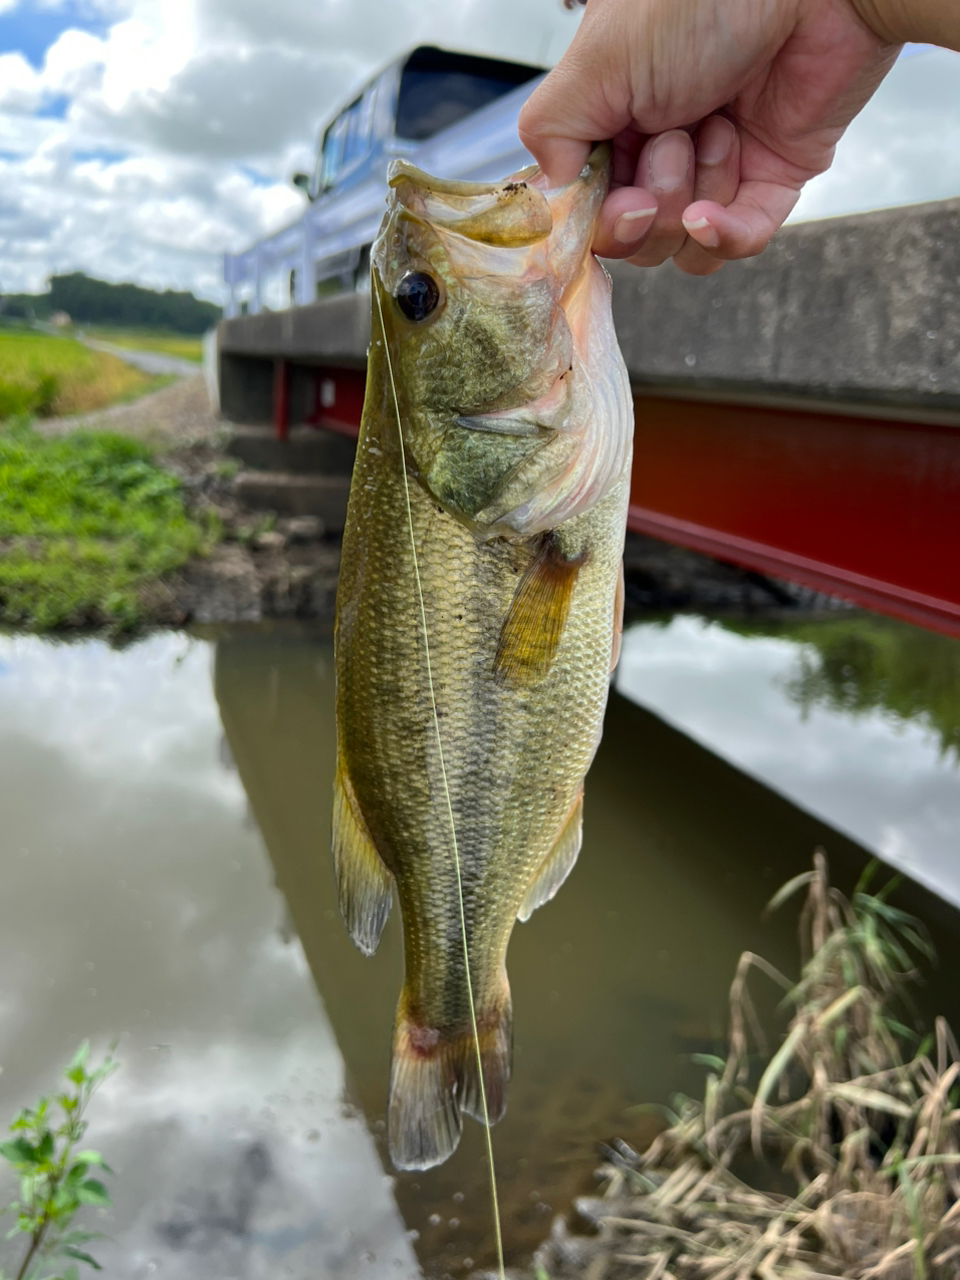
(138, 902)
(882, 778)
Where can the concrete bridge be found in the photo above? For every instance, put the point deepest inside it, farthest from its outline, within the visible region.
(797, 414)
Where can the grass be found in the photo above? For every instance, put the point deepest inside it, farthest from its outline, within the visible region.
(87, 522)
(45, 375)
(853, 1122)
(183, 346)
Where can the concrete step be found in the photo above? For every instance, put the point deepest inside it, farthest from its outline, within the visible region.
(296, 495)
(307, 450)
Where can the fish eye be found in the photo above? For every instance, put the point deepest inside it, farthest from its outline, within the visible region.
(417, 295)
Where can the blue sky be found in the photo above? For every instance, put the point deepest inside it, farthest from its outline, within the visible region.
(140, 139)
(30, 28)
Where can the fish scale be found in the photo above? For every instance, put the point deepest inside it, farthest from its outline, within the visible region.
(521, 626)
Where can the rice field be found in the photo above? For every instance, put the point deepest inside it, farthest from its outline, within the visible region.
(43, 375)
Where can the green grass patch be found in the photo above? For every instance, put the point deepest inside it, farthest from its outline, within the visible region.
(87, 522)
(42, 374)
(183, 346)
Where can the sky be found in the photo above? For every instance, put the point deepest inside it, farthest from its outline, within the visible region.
(140, 139)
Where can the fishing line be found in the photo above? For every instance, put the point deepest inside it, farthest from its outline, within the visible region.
(446, 786)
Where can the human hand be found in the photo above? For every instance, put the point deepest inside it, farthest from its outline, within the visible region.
(719, 112)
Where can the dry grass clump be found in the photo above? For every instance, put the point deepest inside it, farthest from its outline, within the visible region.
(859, 1120)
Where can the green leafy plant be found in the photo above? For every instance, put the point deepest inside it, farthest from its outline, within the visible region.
(55, 1177)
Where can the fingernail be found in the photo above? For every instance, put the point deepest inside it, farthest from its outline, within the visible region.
(670, 161)
(706, 233)
(715, 141)
(631, 226)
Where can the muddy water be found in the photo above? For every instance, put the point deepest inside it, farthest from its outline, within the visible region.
(164, 843)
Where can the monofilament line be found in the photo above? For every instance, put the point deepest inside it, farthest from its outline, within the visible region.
(446, 787)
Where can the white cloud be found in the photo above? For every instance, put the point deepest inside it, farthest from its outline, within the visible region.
(74, 65)
(21, 88)
(905, 147)
(169, 136)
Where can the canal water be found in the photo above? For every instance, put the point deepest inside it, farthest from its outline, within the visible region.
(167, 885)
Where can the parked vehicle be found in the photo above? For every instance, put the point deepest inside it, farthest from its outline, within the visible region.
(454, 114)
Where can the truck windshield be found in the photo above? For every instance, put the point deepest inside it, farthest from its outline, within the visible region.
(347, 140)
(331, 158)
(437, 89)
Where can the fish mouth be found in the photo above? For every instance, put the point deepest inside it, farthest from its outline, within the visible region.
(518, 212)
(401, 171)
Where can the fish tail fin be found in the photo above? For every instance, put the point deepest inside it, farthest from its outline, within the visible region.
(434, 1079)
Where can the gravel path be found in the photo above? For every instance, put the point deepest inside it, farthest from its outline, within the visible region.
(153, 362)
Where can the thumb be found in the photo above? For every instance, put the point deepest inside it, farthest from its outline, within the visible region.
(568, 112)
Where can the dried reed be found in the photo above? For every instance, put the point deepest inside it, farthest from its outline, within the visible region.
(863, 1122)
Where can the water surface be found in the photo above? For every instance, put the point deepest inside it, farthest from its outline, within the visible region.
(167, 881)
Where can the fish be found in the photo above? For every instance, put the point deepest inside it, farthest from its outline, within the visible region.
(479, 608)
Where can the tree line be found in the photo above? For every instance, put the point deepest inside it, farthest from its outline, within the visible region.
(90, 301)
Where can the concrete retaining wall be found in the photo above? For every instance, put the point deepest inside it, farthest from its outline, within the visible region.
(862, 311)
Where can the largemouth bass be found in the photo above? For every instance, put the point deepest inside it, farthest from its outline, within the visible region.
(496, 383)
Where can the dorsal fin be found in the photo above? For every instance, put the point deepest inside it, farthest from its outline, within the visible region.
(537, 615)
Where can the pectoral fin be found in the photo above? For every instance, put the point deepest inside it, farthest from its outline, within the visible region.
(558, 863)
(538, 613)
(364, 882)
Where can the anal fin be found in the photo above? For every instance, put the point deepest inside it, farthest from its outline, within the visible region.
(363, 881)
(558, 863)
(537, 615)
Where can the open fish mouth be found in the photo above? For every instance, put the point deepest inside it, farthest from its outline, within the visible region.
(520, 211)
